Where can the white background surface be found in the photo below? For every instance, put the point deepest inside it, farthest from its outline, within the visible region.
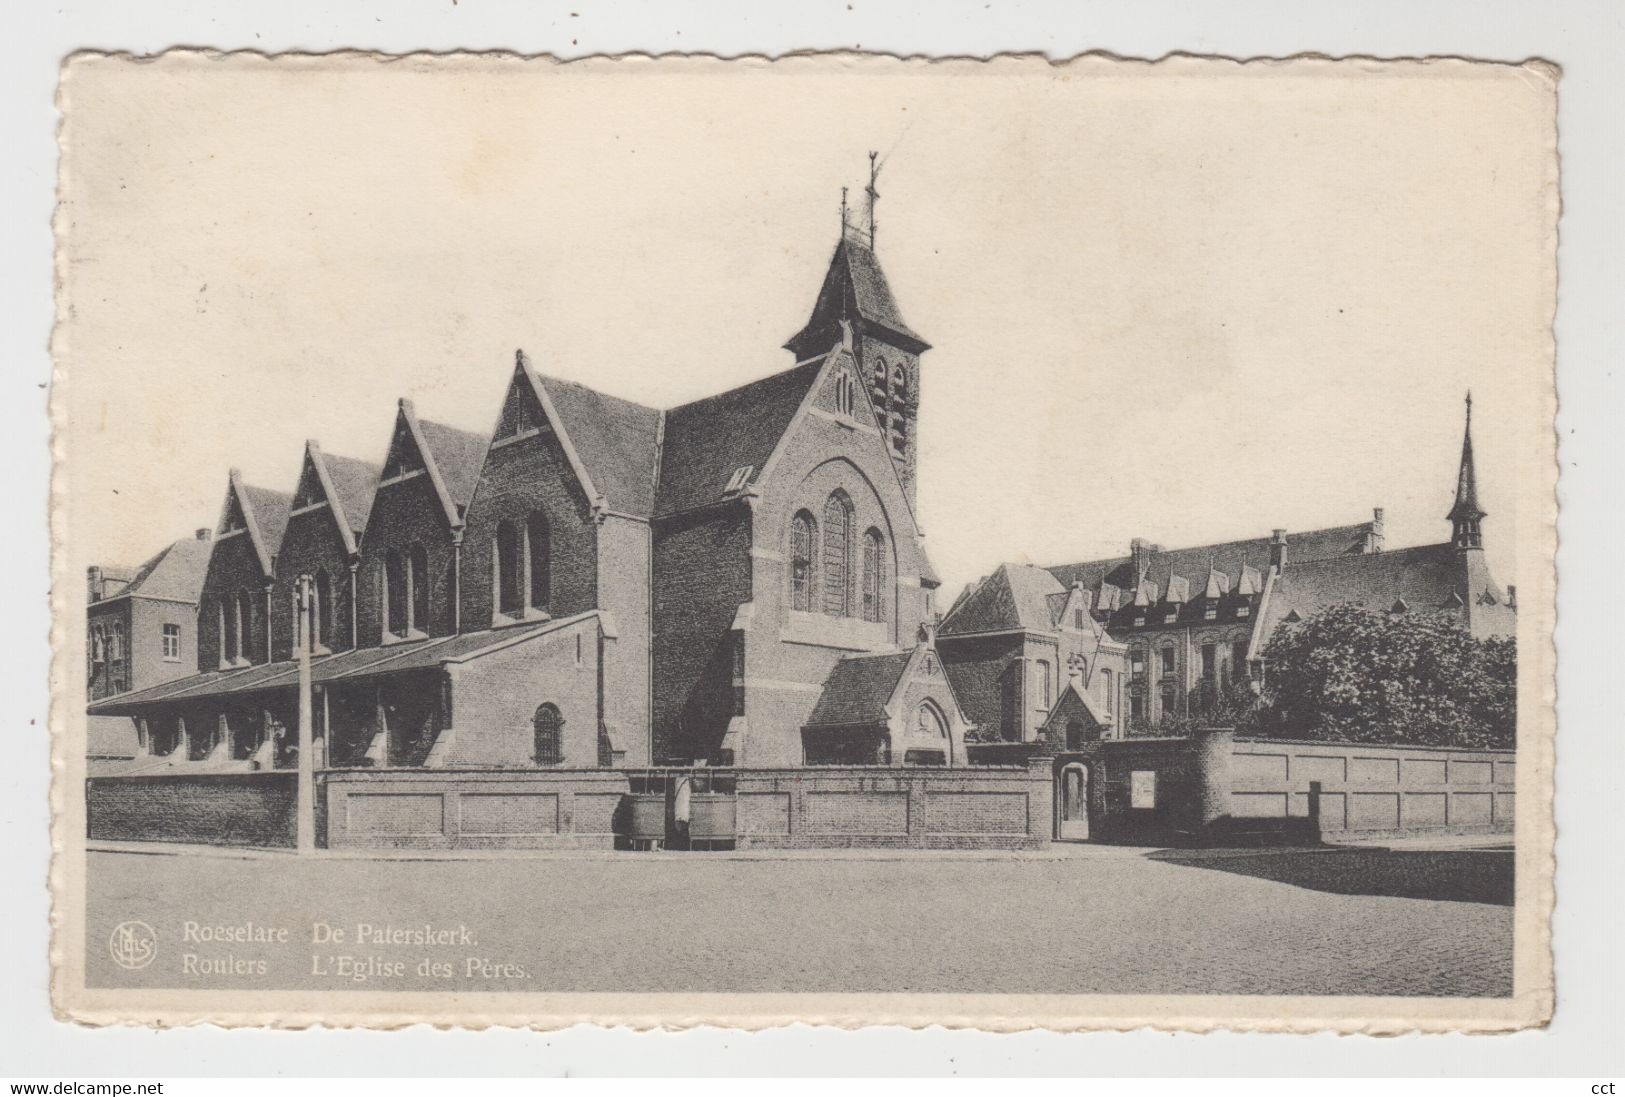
(1585, 39)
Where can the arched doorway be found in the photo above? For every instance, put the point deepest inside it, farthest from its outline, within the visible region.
(1072, 801)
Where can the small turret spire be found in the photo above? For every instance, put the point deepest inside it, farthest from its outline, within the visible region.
(874, 195)
(1466, 514)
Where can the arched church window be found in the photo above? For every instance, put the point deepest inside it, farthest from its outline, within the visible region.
(874, 576)
(802, 532)
(321, 608)
(508, 567)
(548, 728)
(838, 555)
(538, 540)
(397, 594)
(245, 626)
(929, 721)
(417, 562)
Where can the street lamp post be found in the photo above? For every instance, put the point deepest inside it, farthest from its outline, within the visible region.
(305, 792)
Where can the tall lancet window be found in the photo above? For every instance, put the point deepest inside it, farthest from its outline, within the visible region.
(874, 576)
(838, 555)
(802, 535)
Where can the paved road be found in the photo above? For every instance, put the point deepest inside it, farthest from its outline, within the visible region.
(1112, 921)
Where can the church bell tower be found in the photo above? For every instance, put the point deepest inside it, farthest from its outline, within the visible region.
(887, 349)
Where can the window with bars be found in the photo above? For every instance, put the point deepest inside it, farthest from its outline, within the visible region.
(802, 536)
(547, 727)
(838, 555)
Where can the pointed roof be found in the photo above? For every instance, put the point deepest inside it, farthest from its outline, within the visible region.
(1197, 563)
(457, 454)
(1466, 505)
(1423, 579)
(1015, 596)
(855, 289)
(347, 485)
(707, 441)
(264, 512)
(858, 689)
(450, 457)
(175, 573)
(615, 442)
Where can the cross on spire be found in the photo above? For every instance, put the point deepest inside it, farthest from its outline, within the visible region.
(1466, 514)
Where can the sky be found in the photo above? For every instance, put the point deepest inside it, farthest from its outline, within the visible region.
(1189, 302)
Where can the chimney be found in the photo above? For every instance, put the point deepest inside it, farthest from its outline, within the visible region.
(94, 574)
(1374, 538)
(1512, 596)
(1278, 548)
(203, 533)
(1141, 549)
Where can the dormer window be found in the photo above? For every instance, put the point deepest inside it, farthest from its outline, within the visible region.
(741, 477)
(1170, 617)
(1139, 620)
(1210, 612)
(1244, 610)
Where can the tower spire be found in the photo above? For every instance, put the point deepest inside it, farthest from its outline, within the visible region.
(1466, 514)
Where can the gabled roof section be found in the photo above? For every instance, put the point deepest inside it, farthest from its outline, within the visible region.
(855, 289)
(1071, 695)
(1231, 558)
(174, 574)
(1016, 596)
(858, 689)
(615, 441)
(450, 457)
(1425, 579)
(345, 484)
(707, 441)
(262, 512)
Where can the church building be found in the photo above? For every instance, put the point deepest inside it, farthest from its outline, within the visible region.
(739, 580)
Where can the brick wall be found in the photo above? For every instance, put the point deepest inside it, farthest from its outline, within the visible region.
(148, 616)
(977, 666)
(239, 809)
(475, 809)
(311, 543)
(494, 699)
(828, 807)
(1374, 790)
(520, 477)
(405, 512)
(702, 574)
(234, 569)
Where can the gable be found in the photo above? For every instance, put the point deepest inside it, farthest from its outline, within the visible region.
(405, 457)
(522, 412)
(232, 518)
(310, 492)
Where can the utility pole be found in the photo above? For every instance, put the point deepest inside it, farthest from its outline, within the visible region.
(305, 793)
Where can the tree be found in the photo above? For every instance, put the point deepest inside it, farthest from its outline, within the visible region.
(1358, 675)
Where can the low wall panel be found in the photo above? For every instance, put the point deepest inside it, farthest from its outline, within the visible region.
(1473, 808)
(1258, 805)
(764, 813)
(857, 813)
(395, 814)
(217, 809)
(494, 814)
(976, 813)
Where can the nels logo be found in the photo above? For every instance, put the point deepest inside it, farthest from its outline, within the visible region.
(133, 944)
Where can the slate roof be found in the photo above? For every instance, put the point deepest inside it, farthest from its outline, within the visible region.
(707, 440)
(175, 573)
(270, 509)
(615, 439)
(458, 455)
(1015, 596)
(857, 689)
(1427, 578)
(360, 663)
(854, 285)
(1192, 564)
(355, 481)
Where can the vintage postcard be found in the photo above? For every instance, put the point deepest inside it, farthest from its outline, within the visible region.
(838, 539)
